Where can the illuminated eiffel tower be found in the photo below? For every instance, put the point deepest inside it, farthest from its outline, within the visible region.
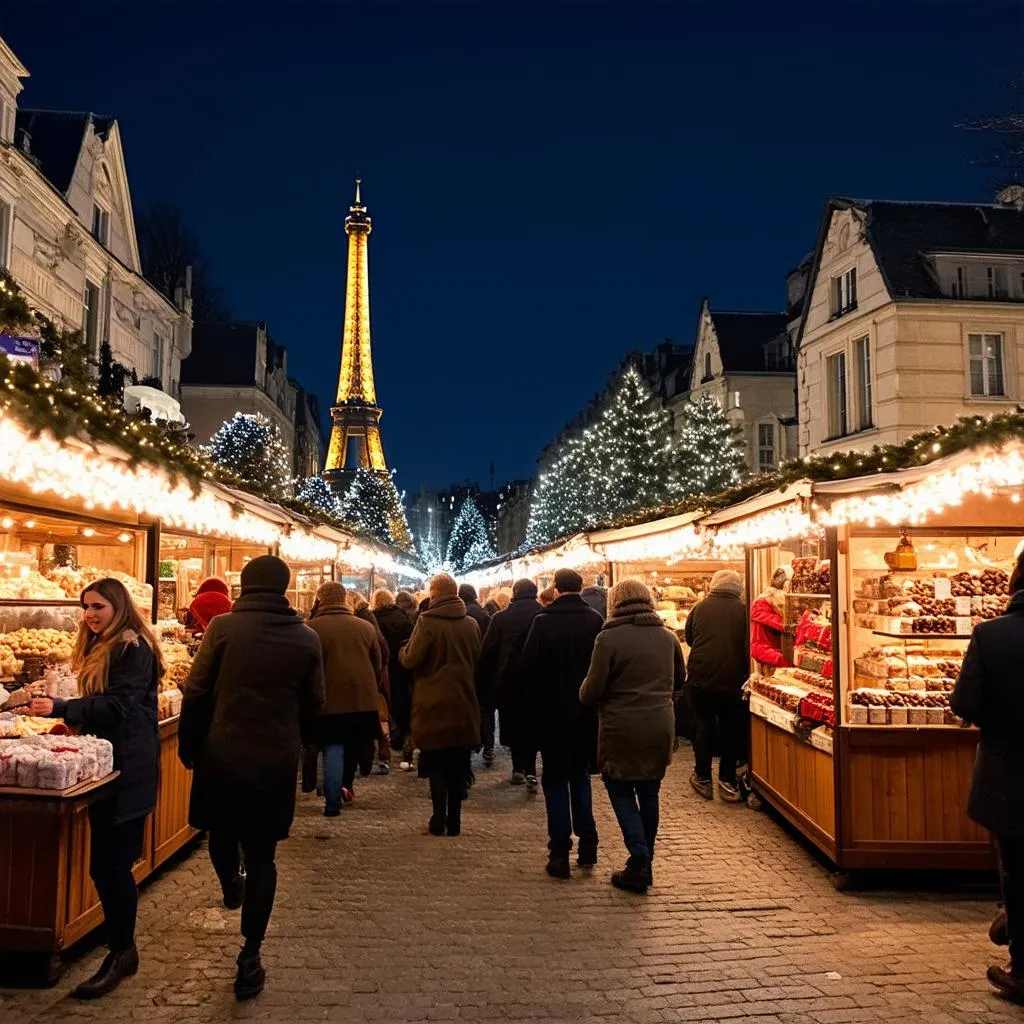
(355, 432)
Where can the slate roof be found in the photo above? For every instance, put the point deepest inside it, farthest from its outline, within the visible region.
(53, 139)
(743, 336)
(223, 355)
(901, 233)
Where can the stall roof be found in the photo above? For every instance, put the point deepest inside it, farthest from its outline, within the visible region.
(643, 529)
(759, 503)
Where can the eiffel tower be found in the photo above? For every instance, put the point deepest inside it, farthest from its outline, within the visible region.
(355, 415)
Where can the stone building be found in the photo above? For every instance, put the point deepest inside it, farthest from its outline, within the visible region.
(512, 515)
(67, 235)
(914, 316)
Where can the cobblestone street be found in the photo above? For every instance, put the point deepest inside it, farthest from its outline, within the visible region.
(378, 921)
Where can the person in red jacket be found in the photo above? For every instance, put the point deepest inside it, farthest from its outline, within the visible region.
(766, 624)
(212, 598)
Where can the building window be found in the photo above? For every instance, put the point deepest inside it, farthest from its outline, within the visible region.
(835, 367)
(6, 233)
(986, 351)
(707, 367)
(91, 317)
(158, 357)
(995, 278)
(100, 224)
(959, 286)
(862, 382)
(844, 292)
(766, 447)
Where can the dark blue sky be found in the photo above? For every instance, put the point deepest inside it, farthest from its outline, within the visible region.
(551, 186)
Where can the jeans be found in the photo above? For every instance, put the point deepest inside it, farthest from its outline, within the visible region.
(334, 771)
(1011, 880)
(487, 729)
(722, 713)
(635, 804)
(113, 849)
(524, 759)
(570, 808)
(227, 852)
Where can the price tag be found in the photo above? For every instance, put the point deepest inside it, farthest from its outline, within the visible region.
(943, 588)
(963, 625)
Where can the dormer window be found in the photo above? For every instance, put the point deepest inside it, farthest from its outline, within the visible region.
(959, 286)
(708, 375)
(995, 278)
(100, 224)
(844, 293)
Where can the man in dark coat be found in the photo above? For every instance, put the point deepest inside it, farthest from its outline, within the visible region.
(555, 663)
(500, 682)
(990, 695)
(253, 697)
(719, 665)
(597, 597)
(473, 609)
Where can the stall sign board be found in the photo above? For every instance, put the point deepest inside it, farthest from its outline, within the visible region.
(20, 350)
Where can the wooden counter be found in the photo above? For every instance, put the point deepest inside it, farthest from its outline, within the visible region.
(47, 900)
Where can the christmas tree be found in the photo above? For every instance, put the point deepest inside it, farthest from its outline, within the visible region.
(373, 504)
(251, 447)
(709, 452)
(313, 490)
(468, 544)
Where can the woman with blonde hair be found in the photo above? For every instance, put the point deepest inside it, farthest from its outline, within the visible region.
(118, 664)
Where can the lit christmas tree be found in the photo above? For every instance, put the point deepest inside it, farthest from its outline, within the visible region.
(251, 447)
(313, 490)
(709, 452)
(373, 504)
(468, 543)
(565, 500)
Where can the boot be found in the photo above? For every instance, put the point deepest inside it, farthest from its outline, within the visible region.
(1011, 985)
(558, 865)
(454, 817)
(251, 976)
(234, 892)
(587, 853)
(439, 799)
(703, 787)
(114, 969)
(636, 876)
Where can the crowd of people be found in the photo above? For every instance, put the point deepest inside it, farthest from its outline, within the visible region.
(588, 681)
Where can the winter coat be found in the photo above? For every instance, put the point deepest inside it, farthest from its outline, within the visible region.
(716, 633)
(597, 598)
(397, 628)
(499, 678)
(212, 598)
(766, 629)
(479, 616)
(990, 695)
(351, 659)
(555, 662)
(636, 669)
(442, 654)
(125, 713)
(254, 695)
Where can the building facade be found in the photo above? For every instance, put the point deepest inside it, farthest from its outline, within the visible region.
(746, 361)
(914, 316)
(67, 235)
(512, 515)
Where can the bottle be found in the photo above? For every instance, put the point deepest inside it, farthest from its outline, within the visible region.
(906, 556)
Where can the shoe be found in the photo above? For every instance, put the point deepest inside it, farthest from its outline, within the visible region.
(558, 865)
(383, 768)
(332, 812)
(114, 969)
(531, 783)
(518, 778)
(347, 795)
(1009, 984)
(586, 854)
(435, 827)
(234, 892)
(997, 931)
(251, 976)
(703, 787)
(405, 766)
(635, 876)
(729, 792)
(488, 756)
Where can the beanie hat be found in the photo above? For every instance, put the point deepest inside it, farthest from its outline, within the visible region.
(524, 589)
(266, 574)
(442, 585)
(568, 581)
(467, 592)
(330, 595)
(629, 592)
(727, 581)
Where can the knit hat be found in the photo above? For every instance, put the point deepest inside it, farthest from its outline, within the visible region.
(568, 581)
(524, 589)
(266, 574)
(629, 592)
(727, 581)
(330, 595)
(442, 585)
(467, 592)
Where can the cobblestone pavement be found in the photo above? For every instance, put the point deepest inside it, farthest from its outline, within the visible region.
(378, 921)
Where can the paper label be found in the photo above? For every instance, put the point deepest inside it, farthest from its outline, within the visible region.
(964, 606)
(963, 625)
(943, 587)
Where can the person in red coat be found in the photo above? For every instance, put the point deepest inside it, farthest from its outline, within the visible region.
(766, 624)
(212, 598)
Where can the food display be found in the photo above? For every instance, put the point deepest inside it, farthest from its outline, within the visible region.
(49, 644)
(29, 586)
(17, 726)
(72, 581)
(54, 762)
(810, 576)
(10, 664)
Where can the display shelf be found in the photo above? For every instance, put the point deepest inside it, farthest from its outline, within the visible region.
(919, 636)
(822, 597)
(80, 789)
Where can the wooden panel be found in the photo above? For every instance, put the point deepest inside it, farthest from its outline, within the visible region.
(171, 829)
(30, 860)
(795, 778)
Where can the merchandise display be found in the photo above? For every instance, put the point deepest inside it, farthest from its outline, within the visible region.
(73, 581)
(54, 762)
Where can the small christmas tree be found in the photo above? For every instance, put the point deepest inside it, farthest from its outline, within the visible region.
(709, 452)
(468, 544)
(251, 447)
(313, 490)
(373, 504)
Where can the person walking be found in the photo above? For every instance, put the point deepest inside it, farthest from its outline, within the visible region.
(989, 693)
(442, 654)
(406, 600)
(254, 695)
(396, 627)
(555, 661)
(719, 665)
(117, 661)
(500, 682)
(352, 678)
(467, 593)
(381, 743)
(636, 670)
(597, 597)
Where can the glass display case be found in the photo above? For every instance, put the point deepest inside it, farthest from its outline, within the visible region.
(305, 581)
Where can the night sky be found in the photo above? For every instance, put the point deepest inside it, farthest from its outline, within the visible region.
(551, 186)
